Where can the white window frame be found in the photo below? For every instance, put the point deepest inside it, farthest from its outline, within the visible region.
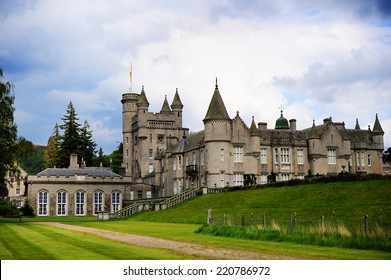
(238, 154)
(222, 155)
(61, 203)
(43, 204)
(150, 153)
(80, 203)
(150, 168)
(369, 162)
(98, 202)
(331, 156)
(263, 156)
(238, 179)
(115, 201)
(285, 155)
(300, 157)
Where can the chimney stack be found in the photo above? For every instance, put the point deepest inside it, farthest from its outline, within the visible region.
(262, 125)
(73, 161)
(292, 124)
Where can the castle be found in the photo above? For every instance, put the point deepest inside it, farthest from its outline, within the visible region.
(162, 158)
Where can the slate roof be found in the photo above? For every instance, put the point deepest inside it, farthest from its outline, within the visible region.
(93, 172)
(216, 110)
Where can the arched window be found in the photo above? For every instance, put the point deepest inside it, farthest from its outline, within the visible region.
(115, 201)
(43, 203)
(98, 202)
(80, 203)
(61, 203)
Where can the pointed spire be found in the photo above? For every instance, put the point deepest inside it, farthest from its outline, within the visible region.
(253, 129)
(142, 100)
(177, 103)
(216, 110)
(377, 129)
(165, 108)
(313, 132)
(344, 132)
(357, 125)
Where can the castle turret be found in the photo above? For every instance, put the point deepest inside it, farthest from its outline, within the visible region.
(255, 136)
(218, 127)
(177, 107)
(165, 108)
(378, 134)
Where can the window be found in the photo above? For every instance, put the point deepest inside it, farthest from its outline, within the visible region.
(127, 153)
(263, 179)
(61, 203)
(222, 155)
(150, 168)
(17, 191)
(19, 204)
(285, 155)
(202, 158)
(42, 203)
(186, 160)
(150, 153)
(284, 177)
(369, 160)
(174, 164)
(263, 156)
(131, 195)
(238, 179)
(193, 158)
(127, 167)
(127, 140)
(276, 155)
(98, 202)
(331, 157)
(222, 180)
(300, 157)
(238, 154)
(80, 203)
(149, 194)
(179, 162)
(115, 201)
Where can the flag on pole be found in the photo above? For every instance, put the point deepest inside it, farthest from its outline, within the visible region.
(130, 76)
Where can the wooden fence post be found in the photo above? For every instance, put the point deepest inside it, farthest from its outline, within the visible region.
(293, 221)
(366, 225)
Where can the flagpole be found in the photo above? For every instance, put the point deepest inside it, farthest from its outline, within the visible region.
(130, 76)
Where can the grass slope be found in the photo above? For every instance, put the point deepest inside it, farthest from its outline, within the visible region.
(348, 200)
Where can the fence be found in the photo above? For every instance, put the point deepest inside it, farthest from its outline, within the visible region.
(291, 222)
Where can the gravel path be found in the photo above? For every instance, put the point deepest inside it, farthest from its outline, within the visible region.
(189, 249)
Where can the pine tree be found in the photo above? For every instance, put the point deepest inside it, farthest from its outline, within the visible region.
(70, 140)
(8, 134)
(87, 145)
(51, 158)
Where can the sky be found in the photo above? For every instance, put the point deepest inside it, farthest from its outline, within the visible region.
(316, 59)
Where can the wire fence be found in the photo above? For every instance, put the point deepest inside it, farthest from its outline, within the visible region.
(366, 223)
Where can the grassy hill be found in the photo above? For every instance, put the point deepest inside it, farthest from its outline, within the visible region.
(349, 201)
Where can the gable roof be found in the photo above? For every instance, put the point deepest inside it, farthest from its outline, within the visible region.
(93, 172)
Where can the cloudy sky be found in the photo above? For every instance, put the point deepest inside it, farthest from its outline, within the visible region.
(315, 58)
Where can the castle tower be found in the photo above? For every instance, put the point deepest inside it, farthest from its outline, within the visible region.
(378, 134)
(129, 111)
(217, 124)
(177, 108)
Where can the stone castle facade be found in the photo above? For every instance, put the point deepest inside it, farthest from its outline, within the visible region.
(162, 158)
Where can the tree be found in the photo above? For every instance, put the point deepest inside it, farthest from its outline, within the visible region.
(387, 155)
(51, 158)
(87, 145)
(70, 140)
(8, 134)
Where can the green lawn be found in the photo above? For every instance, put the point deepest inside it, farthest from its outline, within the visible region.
(28, 241)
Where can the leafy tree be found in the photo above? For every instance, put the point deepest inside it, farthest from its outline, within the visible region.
(70, 140)
(25, 148)
(387, 155)
(51, 154)
(87, 145)
(8, 134)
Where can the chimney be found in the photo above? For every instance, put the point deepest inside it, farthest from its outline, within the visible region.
(73, 161)
(292, 124)
(262, 125)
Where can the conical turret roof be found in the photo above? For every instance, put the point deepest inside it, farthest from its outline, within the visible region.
(177, 103)
(253, 129)
(313, 132)
(216, 110)
(377, 127)
(142, 100)
(357, 125)
(165, 108)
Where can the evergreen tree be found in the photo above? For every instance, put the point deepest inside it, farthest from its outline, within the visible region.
(70, 140)
(8, 134)
(51, 154)
(87, 145)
